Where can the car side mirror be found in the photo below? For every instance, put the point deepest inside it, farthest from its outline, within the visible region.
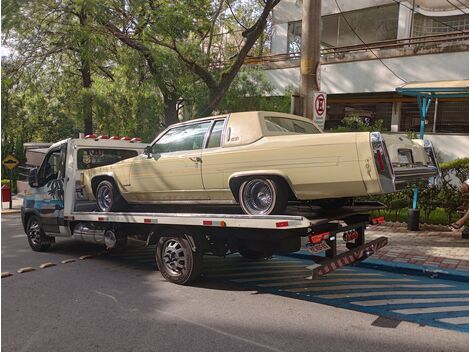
(33, 178)
(148, 151)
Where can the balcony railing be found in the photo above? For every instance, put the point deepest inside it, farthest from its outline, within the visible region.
(451, 38)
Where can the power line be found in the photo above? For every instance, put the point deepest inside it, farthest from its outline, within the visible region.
(458, 8)
(363, 42)
(432, 19)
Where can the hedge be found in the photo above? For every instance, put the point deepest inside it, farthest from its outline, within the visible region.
(446, 195)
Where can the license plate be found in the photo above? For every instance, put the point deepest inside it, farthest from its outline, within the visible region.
(318, 247)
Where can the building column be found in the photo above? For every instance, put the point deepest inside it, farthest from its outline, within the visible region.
(396, 115)
(404, 20)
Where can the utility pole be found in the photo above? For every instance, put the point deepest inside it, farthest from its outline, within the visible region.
(310, 56)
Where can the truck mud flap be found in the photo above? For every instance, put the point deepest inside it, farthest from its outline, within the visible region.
(357, 254)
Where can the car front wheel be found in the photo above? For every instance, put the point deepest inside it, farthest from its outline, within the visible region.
(108, 197)
(263, 196)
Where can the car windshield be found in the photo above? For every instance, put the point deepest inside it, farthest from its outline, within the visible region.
(88, 158)
(289, 126)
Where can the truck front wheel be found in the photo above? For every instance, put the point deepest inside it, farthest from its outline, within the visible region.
(177, 260)
(37, 239)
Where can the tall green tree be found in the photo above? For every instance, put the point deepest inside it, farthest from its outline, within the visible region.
(49, 31)
(184, 34)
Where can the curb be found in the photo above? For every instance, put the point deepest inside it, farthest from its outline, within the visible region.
(11, 211)
(404, 268)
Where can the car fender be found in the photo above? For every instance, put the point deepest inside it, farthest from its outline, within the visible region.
(232, 180)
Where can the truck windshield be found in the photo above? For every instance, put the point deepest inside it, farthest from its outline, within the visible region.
(88, 158)
(286, 125)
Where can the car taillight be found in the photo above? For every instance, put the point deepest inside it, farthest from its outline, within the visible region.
(380, 160)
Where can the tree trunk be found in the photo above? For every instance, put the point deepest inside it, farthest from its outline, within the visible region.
(169, 109)
(87, 99)
(85, 70)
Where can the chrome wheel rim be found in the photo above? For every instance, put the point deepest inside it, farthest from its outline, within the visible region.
(104, 197)
(258, 196)
(34, 232)
(174, 257)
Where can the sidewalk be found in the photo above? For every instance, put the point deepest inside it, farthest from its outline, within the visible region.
(17, 202)
(433, 247)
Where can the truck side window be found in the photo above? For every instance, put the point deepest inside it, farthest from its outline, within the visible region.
(53, 166)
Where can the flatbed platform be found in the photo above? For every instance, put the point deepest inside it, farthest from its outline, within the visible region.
(297, 217)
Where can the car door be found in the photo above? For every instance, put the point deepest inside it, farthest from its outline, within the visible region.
(215, 161)
(172, 172)
(48, 196)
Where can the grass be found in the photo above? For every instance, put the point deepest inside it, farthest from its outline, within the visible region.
(437, 217)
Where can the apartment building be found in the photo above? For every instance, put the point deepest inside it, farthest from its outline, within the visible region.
(372, 47)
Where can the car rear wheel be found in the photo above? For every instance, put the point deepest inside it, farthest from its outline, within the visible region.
(108, 197)
(37, 239)
(263, 196)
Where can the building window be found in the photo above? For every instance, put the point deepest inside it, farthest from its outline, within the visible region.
(427, 25)
(368, 113)
(452, 117)
(294, 34)
(373, 24)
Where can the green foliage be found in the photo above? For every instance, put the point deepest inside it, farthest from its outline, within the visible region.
(7, 183)
(354, 123)
(446, 197)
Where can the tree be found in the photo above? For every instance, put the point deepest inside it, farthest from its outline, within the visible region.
(184, 34)
(56, 32)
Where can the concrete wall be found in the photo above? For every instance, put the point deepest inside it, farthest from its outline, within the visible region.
(373, 76)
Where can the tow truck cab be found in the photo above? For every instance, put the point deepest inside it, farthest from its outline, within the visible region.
(57, 181)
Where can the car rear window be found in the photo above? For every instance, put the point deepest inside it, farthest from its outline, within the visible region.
(286, 125)
(88, 158)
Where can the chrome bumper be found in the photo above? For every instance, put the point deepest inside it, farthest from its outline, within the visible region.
(410, 174)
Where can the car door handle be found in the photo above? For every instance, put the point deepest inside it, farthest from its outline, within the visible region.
(196, 159)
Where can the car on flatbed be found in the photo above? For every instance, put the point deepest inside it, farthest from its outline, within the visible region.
(260, 160)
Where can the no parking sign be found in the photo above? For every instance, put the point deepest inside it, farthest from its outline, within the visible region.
(319, 109)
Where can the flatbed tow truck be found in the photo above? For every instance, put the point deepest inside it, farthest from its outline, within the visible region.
(54, 207)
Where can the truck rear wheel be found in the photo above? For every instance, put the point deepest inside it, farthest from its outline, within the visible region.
(177, 261)
(37, 239)
(108, 197)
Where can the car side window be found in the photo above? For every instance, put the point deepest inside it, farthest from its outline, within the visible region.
(216, 134)
(189, 137)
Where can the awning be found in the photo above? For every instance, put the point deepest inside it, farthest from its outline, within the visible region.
(424, 93)
(435, 89)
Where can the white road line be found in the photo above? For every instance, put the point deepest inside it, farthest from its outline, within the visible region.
(459, 320)
(393, 293)
(361, 287)
(432, 310)
(293, 278)
(254, 267)
(261, 272)
(350, 279)
(384, 302)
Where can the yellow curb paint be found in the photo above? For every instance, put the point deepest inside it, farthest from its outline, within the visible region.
(67, 261)
(46, 265)
(25, 270)
(6, 274)
(88, 256)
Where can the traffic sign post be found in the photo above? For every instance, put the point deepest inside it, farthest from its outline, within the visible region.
(10, 162)
(319, 109)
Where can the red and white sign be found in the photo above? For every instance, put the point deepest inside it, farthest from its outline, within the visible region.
(319, 109)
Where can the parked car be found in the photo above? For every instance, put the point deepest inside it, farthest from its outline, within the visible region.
(260, 160)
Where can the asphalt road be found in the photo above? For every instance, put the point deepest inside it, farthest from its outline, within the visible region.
(120, 303)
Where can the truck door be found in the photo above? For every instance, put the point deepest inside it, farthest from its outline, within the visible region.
(48, 197)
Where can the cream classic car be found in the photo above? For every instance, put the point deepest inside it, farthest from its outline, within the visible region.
(260, 160)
